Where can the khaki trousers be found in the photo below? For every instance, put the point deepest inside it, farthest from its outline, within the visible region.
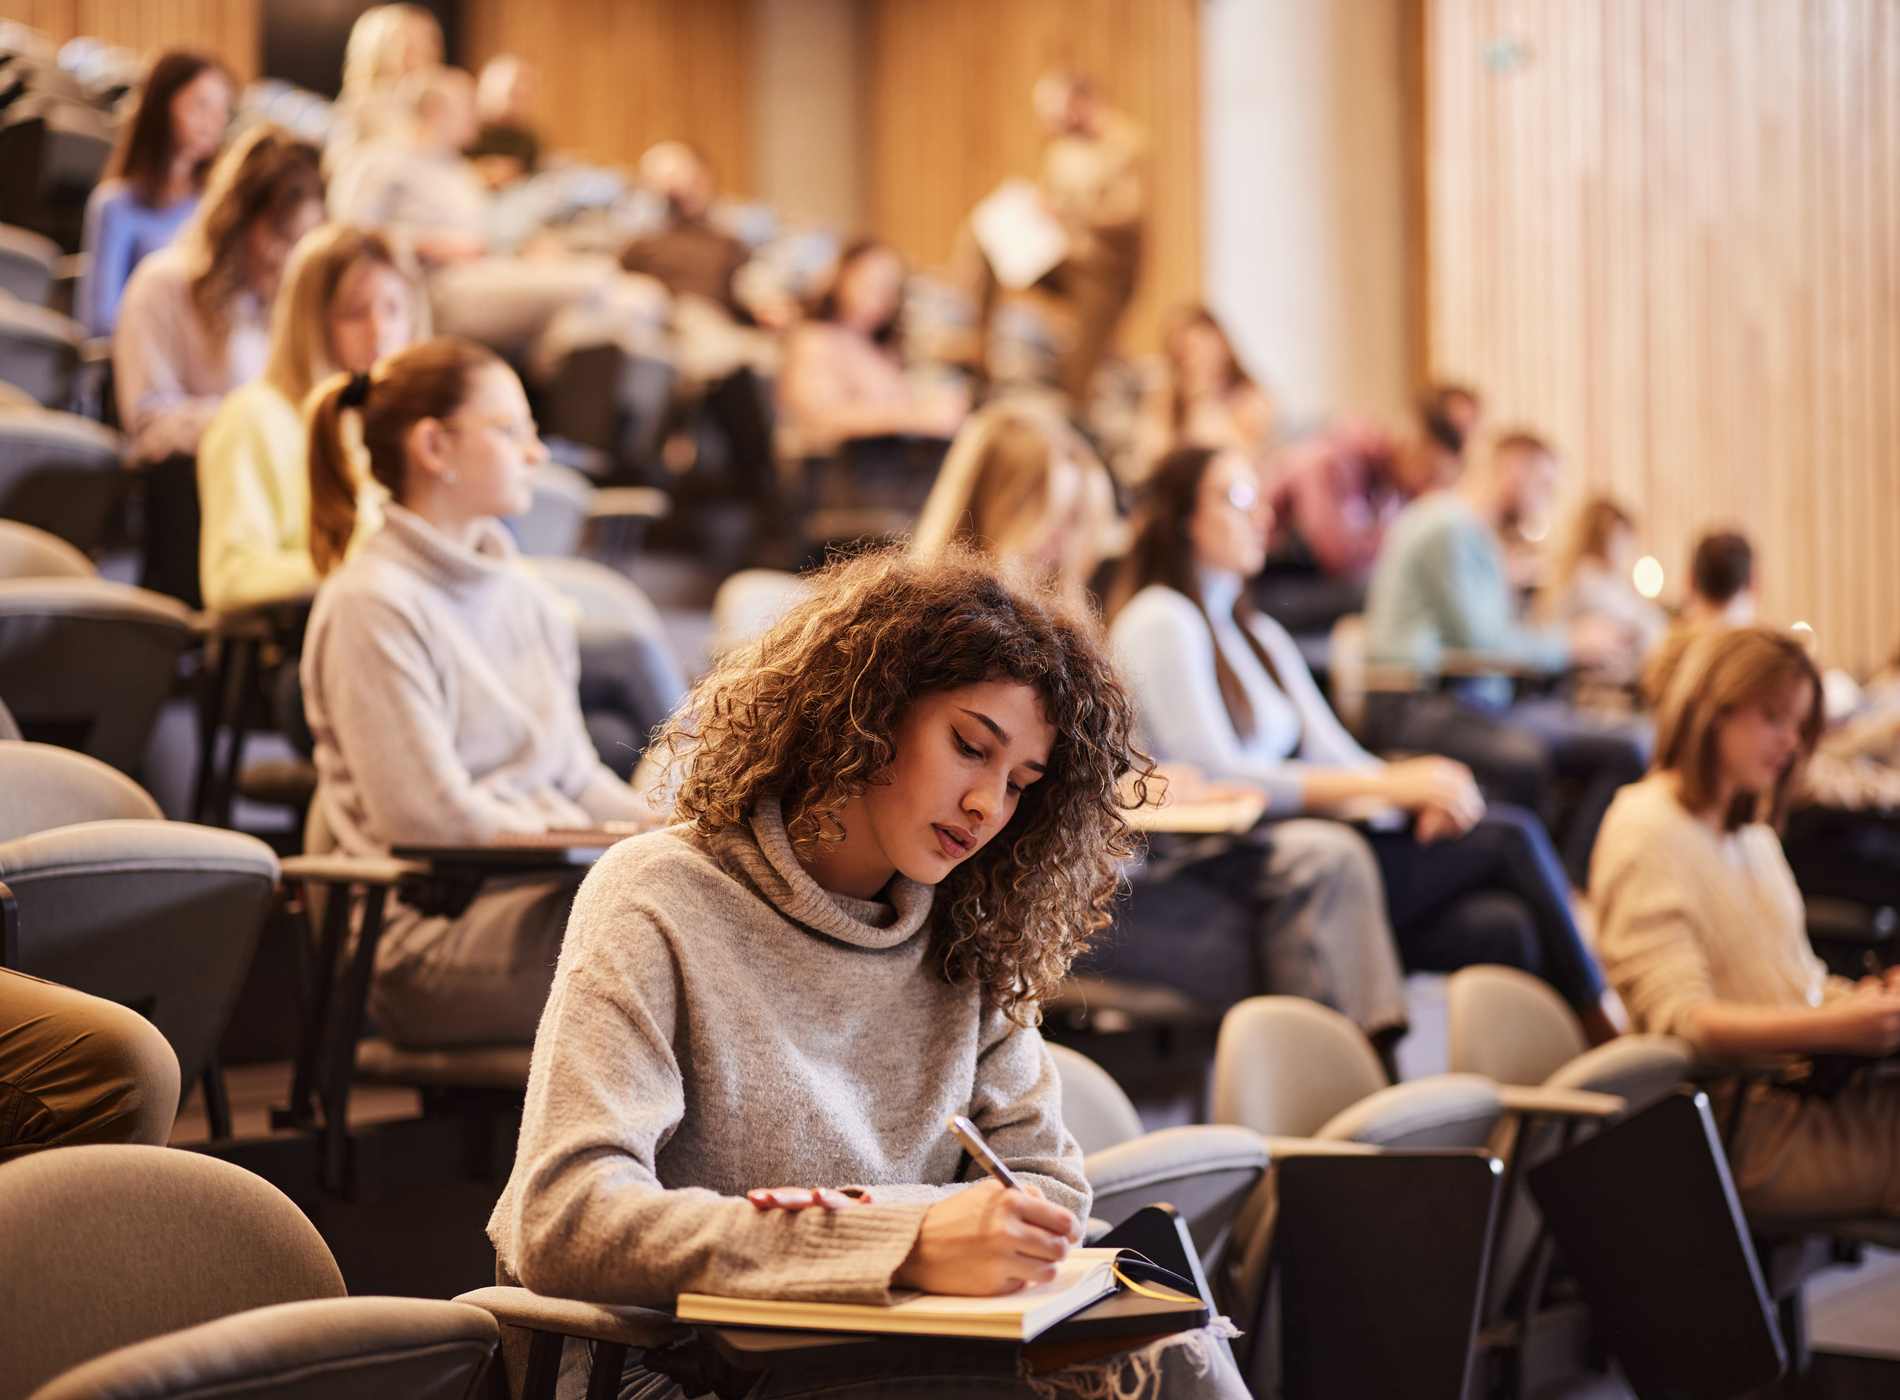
(75, 1069)
(1799, 1156)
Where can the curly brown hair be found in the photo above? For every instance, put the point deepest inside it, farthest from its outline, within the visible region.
(810, 712)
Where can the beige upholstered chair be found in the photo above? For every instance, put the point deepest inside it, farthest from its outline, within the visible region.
(1205, 1172)
(85, 663)
(59, 471)
(29, 552)
(148, 1273)
(110, 899)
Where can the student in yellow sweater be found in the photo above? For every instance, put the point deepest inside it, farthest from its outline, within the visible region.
(347, 301)
(1702, 927)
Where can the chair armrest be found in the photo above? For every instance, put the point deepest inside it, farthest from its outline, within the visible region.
(1096, 1228)
(1541, 1101)
(1460, 664)
(1174, 1153)
(367, 871)
(629, 503)
(567, 1317)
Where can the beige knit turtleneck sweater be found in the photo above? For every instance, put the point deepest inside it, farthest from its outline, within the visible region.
(719, 1022)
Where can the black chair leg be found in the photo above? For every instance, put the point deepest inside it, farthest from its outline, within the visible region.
(544, 1365)
(1792, 1314)
(217, 1101)
(603, 1379)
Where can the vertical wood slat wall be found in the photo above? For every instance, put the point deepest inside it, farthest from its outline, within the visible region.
(948, 115)
(618, 75)
(1667, 233)
(227, 29)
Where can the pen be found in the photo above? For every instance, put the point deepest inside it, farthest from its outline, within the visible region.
(973, 1143)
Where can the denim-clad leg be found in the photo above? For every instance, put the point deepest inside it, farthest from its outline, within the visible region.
(1506, 853)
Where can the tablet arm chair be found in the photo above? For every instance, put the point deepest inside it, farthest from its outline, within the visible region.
(27, 551)
(147, 1273)
(105, 897)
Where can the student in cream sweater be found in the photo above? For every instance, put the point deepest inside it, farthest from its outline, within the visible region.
(439, 679)
(897, 825)
(1703, 932)
(346, 302)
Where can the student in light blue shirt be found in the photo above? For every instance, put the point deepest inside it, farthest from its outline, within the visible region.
(152, 184)
(1442, 585)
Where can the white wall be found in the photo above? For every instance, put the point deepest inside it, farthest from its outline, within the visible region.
(807, 110)
(1305, 230)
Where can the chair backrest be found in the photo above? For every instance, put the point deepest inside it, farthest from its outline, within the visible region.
(104, 1246)
(627, 661)
(27, 260)
(1509, 1026)
(162, 917)
(60, 472)
(360, 1348)
(42, 787)
(26, 551)
(1284, 1066)
(85, 663)
(40, 351)
(1094, 1108)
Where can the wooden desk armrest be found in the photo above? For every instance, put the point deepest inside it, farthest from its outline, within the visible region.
(629, 502)
(350, 870)
(1466, 665)
(1534, 1101)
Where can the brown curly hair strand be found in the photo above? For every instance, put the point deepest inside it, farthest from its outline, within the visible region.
(810, 711)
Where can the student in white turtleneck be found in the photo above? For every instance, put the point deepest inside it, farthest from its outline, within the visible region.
(440, 683)
(1219, 686)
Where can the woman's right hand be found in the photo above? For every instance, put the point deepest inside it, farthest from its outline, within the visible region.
(1417, 784)
(988, 1239)
(1865, 1022)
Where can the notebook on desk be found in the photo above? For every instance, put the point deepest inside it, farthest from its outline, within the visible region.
(1085, 1277)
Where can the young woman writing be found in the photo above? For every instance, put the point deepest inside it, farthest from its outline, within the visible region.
(897, 825)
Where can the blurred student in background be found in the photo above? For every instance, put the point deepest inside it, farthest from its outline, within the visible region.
(1201, 395)
(151, 185)
(1593, 577)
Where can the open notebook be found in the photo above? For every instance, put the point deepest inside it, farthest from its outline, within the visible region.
(1085, 1277)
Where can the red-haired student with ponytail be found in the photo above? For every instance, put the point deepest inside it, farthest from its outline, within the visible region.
(439, 679)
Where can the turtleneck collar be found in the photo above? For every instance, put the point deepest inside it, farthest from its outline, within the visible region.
(764, 855)
(450, 565)
(1220, 590)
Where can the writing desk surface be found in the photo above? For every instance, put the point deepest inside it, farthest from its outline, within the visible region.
(538, 851)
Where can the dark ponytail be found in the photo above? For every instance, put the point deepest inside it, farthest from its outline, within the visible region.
(429, 380)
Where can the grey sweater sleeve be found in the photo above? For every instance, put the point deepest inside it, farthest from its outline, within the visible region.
(589, 1217)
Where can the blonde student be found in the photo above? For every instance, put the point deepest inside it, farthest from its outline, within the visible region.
(439, 680)
(1703, 932)
(346, 302)
(896, 826)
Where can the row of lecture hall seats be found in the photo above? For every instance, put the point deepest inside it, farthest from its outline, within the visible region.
(1492, 1216)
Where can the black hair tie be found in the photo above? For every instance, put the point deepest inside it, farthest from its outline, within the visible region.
(356, 393)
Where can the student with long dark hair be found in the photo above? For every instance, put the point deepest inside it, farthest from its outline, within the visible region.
(844, 368)
(898, 823)
(195, 323)
(1299, 916)
(439, 678)
(151, 186)
(1222, 687)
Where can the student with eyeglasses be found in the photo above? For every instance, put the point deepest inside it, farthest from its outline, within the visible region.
(439, 679)
(1222, 687)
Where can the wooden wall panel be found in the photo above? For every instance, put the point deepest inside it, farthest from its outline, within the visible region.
(230, 29)
(1667, 233)
(618, 75)
(949, 115)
